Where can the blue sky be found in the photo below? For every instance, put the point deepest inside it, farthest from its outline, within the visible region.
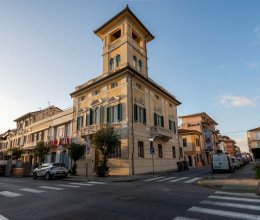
(206, 53)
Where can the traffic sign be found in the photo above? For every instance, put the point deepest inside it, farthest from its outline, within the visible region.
(151, 148)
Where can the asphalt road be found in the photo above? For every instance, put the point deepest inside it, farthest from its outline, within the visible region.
(170, 196)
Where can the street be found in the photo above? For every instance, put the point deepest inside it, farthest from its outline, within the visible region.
(170, 196)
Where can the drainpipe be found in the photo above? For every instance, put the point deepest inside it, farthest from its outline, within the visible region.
(132, 119)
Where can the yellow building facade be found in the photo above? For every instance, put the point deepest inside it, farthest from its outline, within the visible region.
(124, 97)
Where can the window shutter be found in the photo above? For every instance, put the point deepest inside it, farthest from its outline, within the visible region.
(90, 116)
(135, 113)
(87, 119)
(174, 127)
(170, 125)
(155, 119)
(101, 114)
(162, 121)
(78, 121)
(108, 115)
(144, 112)
(119, 112)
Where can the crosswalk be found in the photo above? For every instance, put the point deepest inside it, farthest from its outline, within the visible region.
(225, 204)
(43, 189)
(174, 179)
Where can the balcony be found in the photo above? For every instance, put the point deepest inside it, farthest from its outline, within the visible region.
(90, 129)
(161, 133)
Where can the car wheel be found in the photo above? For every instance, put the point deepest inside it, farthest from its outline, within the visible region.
(48, 176)
(34, 175)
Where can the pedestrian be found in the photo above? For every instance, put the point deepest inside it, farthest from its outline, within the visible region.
(36, 165)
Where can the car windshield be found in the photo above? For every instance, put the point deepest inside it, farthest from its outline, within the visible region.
(45, 165)
(58, 165)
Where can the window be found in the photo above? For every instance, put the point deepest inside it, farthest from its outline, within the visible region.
(79, 123)
(116, 35)
(111, 64)
(173, 152)
(67, 130)
(114, 85)
(138, 86)
(114, 113)
(118, 59)
(136, 38)
(181, 152)
(158, 120)
(140, 65)
(134, 61)
(24, 139)
(172, 126)
(170, 105)
(97, 115)
(197, 142)
(42, 135)
(157, 97)
(139, 114)
(184, 141)
(53, 157)
(117, 152)
(90, 117)
(97, 92)
(160, 153)
(140, 149)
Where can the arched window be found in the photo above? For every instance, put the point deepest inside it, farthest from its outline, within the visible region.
(134, 61)
(97, 115)
(111, 64)
(118, 59)
(140, 64)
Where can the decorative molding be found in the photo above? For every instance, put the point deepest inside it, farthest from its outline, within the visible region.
(113, 99)
(140, 100)
(157, 110)
(96, 102)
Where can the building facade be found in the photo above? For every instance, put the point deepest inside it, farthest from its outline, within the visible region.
(253, 138)
(204, 124)
(124, 97)
(229, 145)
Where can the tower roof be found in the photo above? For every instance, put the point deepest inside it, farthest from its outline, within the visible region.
(126, 12)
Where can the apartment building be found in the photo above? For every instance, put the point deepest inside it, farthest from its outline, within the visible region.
(204, 124)
(229, 145)
(125, 97)
(253, 138)
(192, 148)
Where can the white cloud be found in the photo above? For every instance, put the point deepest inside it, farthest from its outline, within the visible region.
(236, 101)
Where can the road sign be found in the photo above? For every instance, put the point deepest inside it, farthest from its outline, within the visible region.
(151, 148)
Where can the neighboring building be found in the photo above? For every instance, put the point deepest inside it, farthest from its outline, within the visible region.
(51, 125)
(253, 137)
(191, 143)
(230, 145)
(126, 98)
(204, 124)
(237, 151)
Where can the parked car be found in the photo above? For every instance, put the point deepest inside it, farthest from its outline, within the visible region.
(240, 161)
(50, 170)
(222, 162)
(236, 162)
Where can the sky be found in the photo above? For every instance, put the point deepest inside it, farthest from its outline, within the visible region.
(206, 53)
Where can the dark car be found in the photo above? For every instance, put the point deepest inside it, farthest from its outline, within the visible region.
(51, 170)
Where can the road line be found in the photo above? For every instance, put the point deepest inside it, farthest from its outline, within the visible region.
(3, 218)
(156, 178)
(32, 190)
(235, 215)
(94, 182)
(235, 199)
(70, 186)
(184, 218)
(82, 184)
(233, 205)
(193, 180)
(237, 194)
(51, 187)
(10, 194)
(169, 178)
(179, 179)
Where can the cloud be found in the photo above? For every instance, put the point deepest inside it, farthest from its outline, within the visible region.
(236, 101)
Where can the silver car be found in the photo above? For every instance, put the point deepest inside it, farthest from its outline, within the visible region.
(50, 170)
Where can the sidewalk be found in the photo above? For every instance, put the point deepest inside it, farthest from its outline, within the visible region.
(243, 180)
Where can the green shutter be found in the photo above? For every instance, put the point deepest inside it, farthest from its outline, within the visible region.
(162, 121)
(119, 112)
(144, 112)
(90, 116)
(101, 114)
(108, 115)
(155, 118)
(135, 113)
(78, 121)
(174, 127)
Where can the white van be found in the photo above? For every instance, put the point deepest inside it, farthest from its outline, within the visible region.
(222, 162)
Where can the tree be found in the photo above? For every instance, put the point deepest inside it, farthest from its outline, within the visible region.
(105, 140)
(76, 151)
(16, 152)
(41, 150)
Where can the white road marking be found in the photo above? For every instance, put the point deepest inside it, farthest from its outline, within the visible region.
(51, 187)
(94, 182)
(70, 186)
(3, 218)
(169, 178)
(235, 215)
(82, 184)
(156, 178)
(31, 190)
(233, 205)
(179, 179)
(237, 194)
(10, 194)
(184, 218)
(235, 199)
(193, 180)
